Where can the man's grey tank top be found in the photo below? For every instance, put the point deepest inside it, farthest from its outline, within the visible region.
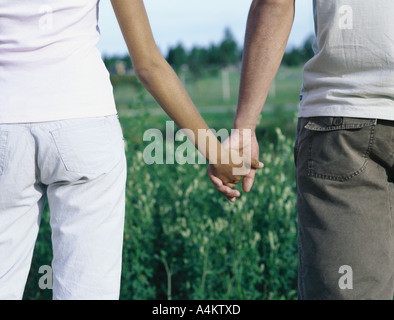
(352, 72)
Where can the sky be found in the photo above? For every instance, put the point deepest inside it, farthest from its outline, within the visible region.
(195, 23)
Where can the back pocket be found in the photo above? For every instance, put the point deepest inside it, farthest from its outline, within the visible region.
(338, 148)
(86, 149)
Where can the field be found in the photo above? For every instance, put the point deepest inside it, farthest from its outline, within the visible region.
(183, 240)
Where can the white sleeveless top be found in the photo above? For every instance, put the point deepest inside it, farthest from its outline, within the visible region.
(50, 68)
(352, 72)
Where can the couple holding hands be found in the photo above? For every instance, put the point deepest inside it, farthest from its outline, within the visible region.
(61, 141)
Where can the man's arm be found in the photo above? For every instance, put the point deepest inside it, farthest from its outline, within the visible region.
(267, 32)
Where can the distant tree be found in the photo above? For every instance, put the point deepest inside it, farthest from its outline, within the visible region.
(307, 49)
(299, 56)
(214, 55)
(293, 58)
(228, 49)
(110, 63)
(177, 57)
(127, 61)
(198, 60)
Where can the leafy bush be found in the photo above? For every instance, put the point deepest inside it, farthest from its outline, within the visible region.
(184, 240)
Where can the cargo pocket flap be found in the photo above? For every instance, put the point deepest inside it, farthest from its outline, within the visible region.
(338, 123)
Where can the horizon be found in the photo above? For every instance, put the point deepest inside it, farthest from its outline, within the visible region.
(201, 29)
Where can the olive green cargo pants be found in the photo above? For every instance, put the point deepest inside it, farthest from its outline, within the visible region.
(345, 198)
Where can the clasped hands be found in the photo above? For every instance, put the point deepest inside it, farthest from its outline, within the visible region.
(239, 162)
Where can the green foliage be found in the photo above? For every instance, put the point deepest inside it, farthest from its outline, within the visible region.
(229, 49)
(200, 60)
(42, 256)
(177, 57)
(129, 80)
(111, 62)
(299, 56)
(184, 240)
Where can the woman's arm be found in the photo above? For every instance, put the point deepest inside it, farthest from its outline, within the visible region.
(152, 69)
(160, 80)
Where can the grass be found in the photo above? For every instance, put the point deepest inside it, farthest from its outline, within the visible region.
(183, 240)
(207, 91)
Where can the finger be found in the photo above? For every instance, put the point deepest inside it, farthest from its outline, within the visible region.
(255, 164)
(233, 182)
(230, 185)
(232, 199)
(215, 180)
(228, 192)
(222, 188)
(248, 180)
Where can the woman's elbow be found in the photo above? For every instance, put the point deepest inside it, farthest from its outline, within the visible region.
(148, 72)
(144, 73)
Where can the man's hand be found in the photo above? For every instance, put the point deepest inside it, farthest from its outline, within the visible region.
(243, 152)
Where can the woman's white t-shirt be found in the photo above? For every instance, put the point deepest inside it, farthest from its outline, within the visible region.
(50, 67)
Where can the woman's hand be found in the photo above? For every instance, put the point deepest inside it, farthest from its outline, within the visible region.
(239, 163)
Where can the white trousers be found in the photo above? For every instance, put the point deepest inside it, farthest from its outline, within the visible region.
(79, 167)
